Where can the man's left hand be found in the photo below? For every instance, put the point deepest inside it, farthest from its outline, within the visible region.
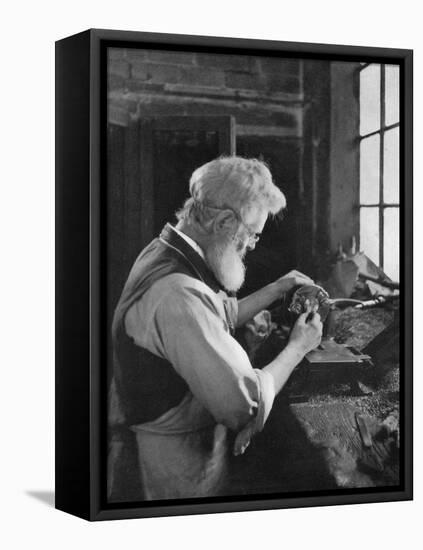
(292, 279)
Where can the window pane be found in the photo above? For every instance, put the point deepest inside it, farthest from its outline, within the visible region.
(369, 232)
(369, 99)
(391, 166)
(391, 94)
(369, 170)
(391, 244)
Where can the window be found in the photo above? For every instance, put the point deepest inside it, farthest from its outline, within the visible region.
(379, 165)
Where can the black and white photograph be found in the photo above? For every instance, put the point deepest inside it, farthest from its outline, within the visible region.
(253, 274)
(210, 327)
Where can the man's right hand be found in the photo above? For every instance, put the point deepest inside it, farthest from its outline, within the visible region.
(306, 334)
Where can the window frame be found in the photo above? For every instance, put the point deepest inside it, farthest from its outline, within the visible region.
(381, 205)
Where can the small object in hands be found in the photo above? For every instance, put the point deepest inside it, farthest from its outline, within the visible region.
(315, 295)
(364, 430)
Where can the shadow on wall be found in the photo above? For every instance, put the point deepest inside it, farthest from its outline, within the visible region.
(46, 497)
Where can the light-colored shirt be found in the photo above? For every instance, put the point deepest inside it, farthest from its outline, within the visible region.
(184, 321)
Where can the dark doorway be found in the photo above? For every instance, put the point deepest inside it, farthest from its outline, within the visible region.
(277, 252)
(150, 162)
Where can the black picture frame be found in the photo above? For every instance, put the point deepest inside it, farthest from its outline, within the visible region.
(81, 172)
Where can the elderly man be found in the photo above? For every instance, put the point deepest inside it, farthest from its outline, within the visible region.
(183, 386)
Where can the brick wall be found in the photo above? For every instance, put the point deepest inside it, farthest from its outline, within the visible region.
(263, 94)
(284, 113)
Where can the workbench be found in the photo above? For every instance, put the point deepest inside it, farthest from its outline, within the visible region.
(315, 443)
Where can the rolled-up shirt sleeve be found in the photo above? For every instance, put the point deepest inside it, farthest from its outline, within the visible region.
(189, 329)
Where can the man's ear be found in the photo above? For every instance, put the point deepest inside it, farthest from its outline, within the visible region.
(225, 222)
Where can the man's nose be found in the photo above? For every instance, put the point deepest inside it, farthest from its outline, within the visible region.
(251, 244)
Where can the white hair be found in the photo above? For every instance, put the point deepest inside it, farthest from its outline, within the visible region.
(236, 183)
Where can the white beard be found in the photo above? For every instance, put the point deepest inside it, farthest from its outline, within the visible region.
(227, 265)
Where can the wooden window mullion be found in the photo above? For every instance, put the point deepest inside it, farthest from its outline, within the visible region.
(381, 152)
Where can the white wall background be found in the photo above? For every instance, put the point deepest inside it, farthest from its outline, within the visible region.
(28, 32)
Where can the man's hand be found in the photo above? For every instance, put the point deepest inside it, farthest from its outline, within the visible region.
(292, 279)
(261, 299)
(306, 334)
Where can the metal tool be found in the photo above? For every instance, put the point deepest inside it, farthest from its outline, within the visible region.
(329, 359)
(316, 295)
(364, 430)
(330, 352)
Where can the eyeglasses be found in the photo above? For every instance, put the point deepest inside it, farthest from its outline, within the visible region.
(252, 235)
